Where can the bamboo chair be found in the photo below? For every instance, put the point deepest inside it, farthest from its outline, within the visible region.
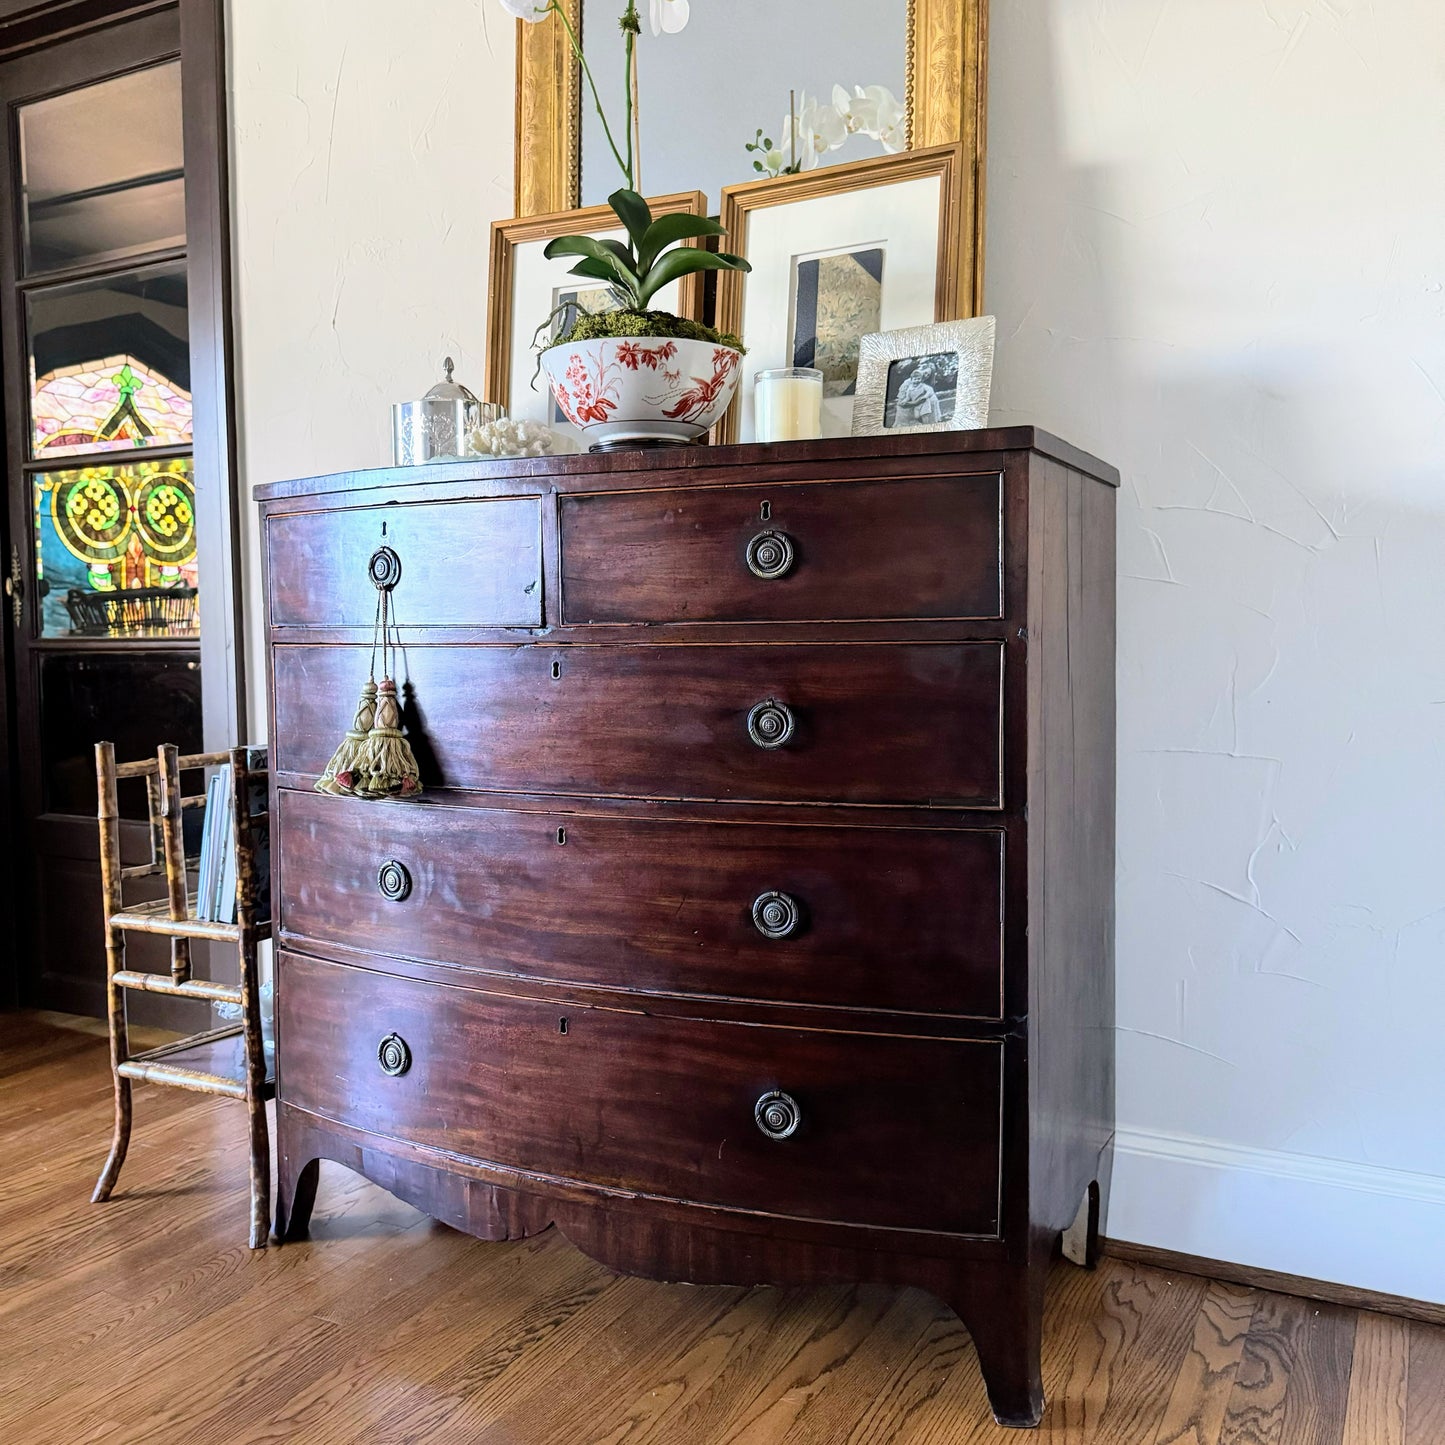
(209, 1062)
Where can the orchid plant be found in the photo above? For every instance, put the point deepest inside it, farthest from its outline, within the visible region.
(818, 126)
(654, 255)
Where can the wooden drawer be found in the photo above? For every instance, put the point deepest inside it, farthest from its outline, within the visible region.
(906, 723)
(841, 551)
(894, 1131)
(463, 564)
(898, 919)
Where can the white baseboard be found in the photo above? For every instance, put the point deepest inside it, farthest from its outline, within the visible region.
(1351, 1224)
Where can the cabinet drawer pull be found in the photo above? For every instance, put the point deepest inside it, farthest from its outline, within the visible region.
(771, 723)
(384, 569)
(771, 554)
(777, 1114)
(394, 1056)
(776, 915)
(394, 881)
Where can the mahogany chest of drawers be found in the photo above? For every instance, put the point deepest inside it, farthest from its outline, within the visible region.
(756, 925)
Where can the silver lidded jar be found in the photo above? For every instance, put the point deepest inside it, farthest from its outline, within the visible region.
(435, 428)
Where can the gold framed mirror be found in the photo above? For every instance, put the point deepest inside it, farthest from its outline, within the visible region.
(947, 48)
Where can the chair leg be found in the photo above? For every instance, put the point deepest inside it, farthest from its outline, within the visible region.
(108, 816)
(119, 1143)
(260, 1172)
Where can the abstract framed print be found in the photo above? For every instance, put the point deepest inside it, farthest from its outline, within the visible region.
(838, 254)
(925, 378)
(837, 301)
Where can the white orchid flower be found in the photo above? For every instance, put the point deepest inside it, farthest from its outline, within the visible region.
(668, 16)
(874, 112)
(860, 114)
(529, 10)
(889, 118)
(820, 130)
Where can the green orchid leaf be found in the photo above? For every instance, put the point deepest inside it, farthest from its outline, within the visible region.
(684, 262)
(633, 212)
(612, 255)
(594, 271)
(667, 230)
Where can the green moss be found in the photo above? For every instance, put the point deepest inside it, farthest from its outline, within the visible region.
(645, 323)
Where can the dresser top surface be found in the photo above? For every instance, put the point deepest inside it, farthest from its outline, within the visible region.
(682, 465)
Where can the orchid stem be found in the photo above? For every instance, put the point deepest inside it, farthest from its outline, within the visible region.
(634, 116)
(624, 166)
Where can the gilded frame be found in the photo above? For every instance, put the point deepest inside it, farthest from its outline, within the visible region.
(508, 235)
(947, 162)
(947, 100)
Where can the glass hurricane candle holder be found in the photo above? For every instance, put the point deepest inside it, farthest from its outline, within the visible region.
(788, 404)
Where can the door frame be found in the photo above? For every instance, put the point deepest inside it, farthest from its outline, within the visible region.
(27, 27)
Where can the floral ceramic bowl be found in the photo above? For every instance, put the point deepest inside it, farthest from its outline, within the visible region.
(642, 390)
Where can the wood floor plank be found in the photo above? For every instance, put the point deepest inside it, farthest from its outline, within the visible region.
(568, 1378)
(1425, 1393)
(1379, 1382)
(1130, 1352)
(908, 1397)
(1194, 1414)
(148, 1320)
(1293, 1382)
(822, 1411)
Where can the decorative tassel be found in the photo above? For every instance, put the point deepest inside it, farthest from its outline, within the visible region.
(384, 765)
(339, 777)
(375, 760)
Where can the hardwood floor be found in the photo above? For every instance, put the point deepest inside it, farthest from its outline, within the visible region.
(148, 1319)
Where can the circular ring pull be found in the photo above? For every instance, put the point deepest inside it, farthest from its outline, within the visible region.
(384, 569)
(777, 1114)
(771, 723)
(393, 1055)
(394, 881)
(776, 915)
(771, 554)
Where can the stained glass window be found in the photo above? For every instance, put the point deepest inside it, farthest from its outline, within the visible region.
(110, 363)
(108, 404)
(115, 550)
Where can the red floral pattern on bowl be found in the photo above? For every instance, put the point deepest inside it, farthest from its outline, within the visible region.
(646, 388)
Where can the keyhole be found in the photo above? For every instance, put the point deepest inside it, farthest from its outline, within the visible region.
(562, 836)
(383, 529)
(556, 669)
(765, 511)
(562, 1026)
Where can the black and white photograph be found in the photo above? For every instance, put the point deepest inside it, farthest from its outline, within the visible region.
(922, 390)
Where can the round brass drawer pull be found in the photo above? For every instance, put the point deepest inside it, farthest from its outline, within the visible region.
(394, 1056)
(393, 880)
(777, 1114)
(771, 723)
(771, 554)
(384, 569)
(776, 915)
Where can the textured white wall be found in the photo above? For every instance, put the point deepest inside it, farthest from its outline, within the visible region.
(1216, 249)
(372, 149)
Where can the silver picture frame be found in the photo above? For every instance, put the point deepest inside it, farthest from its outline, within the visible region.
(925, 378)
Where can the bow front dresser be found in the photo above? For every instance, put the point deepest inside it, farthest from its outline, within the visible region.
(756, 923)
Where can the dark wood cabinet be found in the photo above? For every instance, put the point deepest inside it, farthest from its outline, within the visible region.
(756, 925)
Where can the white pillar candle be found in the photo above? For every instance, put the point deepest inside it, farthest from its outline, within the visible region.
(788, 404)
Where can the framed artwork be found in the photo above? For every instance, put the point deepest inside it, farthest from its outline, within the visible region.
(838, 254)
(925, 378)
(525, 288)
